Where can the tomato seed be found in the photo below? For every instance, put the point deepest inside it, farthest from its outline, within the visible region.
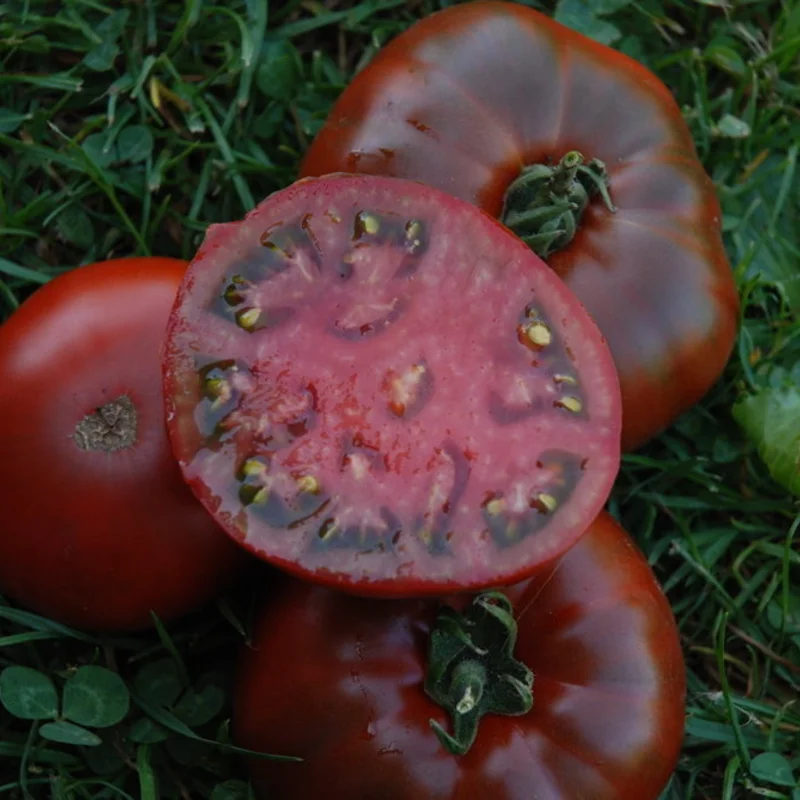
(570, 403)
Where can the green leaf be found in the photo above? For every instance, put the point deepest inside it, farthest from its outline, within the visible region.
(722, 55)
(279, 71)
(197, 708)
(135, 144)
(96, 147)
(75, 226)
(96, 697)
(16, 615)
(44, 755)
(159, 682)
(603, 7)
(11, 120)
(28, 694)
(772, 767)
(26, 274)
(148, 782)
(189, 751)
(67, 733)
(101, 57)
(230, 790)
(788, 621)
(104, 759)
(771, 419)
(171, 722)
(581, 16)
(733, 127)
(145, 731)
(269, 122)
(36, 44)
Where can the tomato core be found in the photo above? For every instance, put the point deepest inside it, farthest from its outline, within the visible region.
(544, 205)
(472, 670)
(109, 428)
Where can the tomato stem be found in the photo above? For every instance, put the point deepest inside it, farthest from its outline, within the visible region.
(472, 670)
(544, 205)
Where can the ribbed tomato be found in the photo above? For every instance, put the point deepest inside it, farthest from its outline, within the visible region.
(98, 527)
(349, 686)
(584, 154)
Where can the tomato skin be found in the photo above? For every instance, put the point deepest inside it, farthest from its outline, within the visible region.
(97, 539)
(468, 96)
(339, 682)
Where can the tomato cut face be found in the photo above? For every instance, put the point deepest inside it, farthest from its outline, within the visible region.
(375, 385)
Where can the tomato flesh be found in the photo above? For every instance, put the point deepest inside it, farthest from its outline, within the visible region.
(375, 385)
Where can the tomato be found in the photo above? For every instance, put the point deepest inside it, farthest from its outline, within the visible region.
(98, 527)
(347, 686)
(374, 385)
(583, 153)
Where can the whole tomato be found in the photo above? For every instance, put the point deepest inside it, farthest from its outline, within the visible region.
(584, 658)
(584, 154)
(98, 527)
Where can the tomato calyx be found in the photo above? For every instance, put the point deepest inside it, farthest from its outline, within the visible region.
(544, 205)
(472, 670)
(109, 428)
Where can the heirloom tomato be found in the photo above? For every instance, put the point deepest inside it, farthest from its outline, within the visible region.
(374, 385)
(578, 671)
(584, 154)
(98, 527)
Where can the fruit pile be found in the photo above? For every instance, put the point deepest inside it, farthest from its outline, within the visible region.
(407, 377)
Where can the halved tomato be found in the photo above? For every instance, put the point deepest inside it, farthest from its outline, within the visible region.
(374, 385)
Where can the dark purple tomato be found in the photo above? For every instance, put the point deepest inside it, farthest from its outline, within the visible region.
(579, 671)
(584, 154)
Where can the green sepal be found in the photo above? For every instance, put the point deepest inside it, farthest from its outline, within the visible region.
(544, 205)
(472, 670)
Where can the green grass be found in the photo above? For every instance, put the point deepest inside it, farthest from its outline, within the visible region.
(127, 127)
